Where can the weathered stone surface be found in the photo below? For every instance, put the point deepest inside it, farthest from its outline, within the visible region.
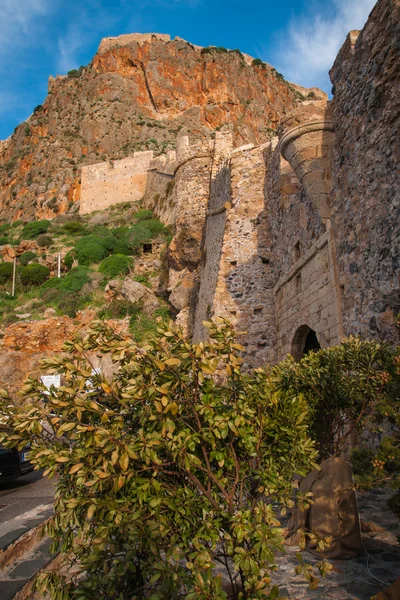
(23, 345)
(135, 95)
(133, 291)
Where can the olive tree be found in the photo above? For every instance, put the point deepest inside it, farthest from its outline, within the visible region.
(171, 469)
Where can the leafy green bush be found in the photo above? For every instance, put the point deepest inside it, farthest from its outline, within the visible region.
(361, 460)
(4, 228)
(257, 62)
(137, 236)
(342, 385)
(16, 224)
(120, 232)
(109, 242)
(69, 259)
(6, 270)
(70, 303)
(34, 274)
(26, 257)
(87, 239)
(119, 309)
(44, 240)
(155, 227)
(143, 215)
(114, 265)
(74, 227)
(164, 470)
(143, 279)
(75, 73)
(72, 282)
(91, 253)
(35, 228)
(121, 247)
(4, 240)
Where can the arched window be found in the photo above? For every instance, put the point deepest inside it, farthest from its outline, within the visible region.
(304, 341)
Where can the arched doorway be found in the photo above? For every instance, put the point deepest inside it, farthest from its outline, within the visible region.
(304, 341)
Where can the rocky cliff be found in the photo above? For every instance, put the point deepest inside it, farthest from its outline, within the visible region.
(136, 94)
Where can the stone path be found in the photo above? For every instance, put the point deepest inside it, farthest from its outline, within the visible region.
(351, 579)
(24, 506)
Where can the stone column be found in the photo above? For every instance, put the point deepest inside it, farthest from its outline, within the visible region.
(306, 143)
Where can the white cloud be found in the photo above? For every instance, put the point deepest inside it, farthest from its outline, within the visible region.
(17, 18)
(306, 51)
(68, 47)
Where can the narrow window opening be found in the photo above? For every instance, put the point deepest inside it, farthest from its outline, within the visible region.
(296, 253)
(298, 283)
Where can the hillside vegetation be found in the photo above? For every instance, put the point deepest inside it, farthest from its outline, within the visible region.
(94, 250)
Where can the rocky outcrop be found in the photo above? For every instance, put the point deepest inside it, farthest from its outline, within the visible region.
(24, 345)
(132, 291)
(135, 95)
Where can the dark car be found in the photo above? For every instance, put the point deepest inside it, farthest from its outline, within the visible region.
(13, 463)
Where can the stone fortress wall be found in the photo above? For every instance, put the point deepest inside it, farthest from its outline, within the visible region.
(105, 184)
(298, 236)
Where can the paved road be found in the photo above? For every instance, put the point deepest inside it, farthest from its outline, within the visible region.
(24, 503)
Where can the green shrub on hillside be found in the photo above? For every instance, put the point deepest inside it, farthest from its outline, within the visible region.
(120, 232)
(114, 265)
(26, 257)
(143, 215)
(69, 259)
(119, 309)
(121, 247)
(109, 242)
(34, 274)
(17, 223)
(44, 240)
(137, 236)
(4, 240)
(155, 227)
(33, 229)
(74, 227)
(87, 239)
(91, 253)
(70, 303)
(72, 282)
(6, 270)
(3, 228)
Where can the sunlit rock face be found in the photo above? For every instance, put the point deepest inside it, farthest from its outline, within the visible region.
(138, 92)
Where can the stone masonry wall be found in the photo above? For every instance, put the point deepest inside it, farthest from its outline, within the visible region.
(219, 202)
(308, 296)
(366, 186)
(189, 198)
(105, 184)
(244, 282)
(158, 195)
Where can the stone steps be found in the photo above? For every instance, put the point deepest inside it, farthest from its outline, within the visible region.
(22, 560)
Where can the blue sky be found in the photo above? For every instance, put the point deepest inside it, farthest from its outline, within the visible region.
(39, 38)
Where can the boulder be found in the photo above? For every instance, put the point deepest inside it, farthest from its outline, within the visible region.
(332, 514)
(390, 593)
(133, 291)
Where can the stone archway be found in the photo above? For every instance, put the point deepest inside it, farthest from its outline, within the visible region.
(305, 340)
